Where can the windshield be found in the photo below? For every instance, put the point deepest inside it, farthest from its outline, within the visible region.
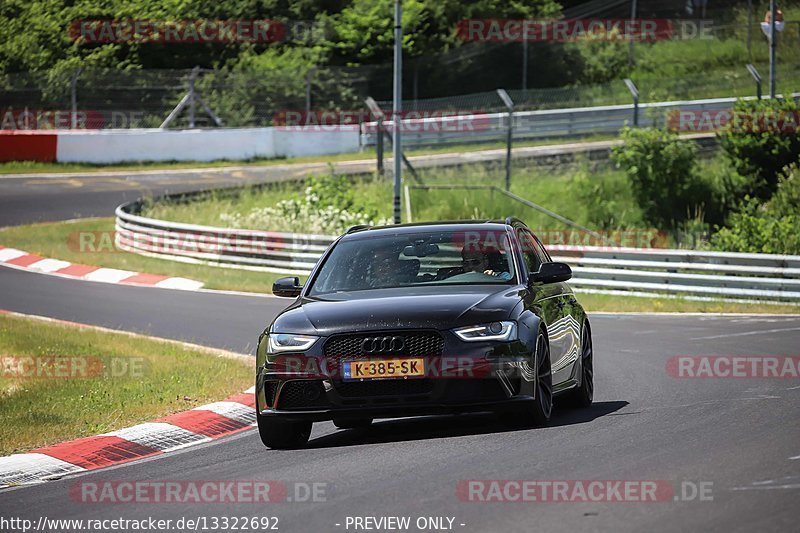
(425, 258)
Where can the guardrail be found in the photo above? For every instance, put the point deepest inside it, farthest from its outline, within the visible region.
(543, 124)
(687, 272)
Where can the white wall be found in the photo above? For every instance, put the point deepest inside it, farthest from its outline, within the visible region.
(309, 140)
(114, 146)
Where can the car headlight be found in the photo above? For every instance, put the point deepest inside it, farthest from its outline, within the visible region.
(494, 331)
(287, 342)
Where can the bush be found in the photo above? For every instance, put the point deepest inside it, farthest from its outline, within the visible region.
(772, 227)
(606, 203)
(759, 144)
(326, 208)
(662, 173)
(603, 56)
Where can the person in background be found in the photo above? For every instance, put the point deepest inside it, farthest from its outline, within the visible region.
(766, 26)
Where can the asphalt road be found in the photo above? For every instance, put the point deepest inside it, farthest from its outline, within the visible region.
(49, 197)
(737, 438)
(739, 435)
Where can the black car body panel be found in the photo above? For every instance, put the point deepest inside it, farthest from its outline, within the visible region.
(464, 375)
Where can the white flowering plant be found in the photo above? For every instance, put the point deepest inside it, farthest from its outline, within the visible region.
(327, 208)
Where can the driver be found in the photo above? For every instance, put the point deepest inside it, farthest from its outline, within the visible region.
(475, 260)
(383, 267)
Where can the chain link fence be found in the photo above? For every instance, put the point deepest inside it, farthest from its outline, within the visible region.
(110, 98)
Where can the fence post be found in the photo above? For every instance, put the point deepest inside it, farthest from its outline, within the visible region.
(756, 76)
(192, 96)
(73, 96)
(379, 148)
(509, 132)
(635, 93)
(309, 74)
(377, 112)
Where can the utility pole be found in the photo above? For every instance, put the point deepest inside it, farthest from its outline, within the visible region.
(397, 151)
(773, 42)
(750, 30)
(631, 27)
(524, 64)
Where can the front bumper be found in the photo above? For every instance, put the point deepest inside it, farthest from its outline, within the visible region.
(466, 377)
(394, 411)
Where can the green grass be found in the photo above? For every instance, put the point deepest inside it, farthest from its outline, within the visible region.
(60, 240)
(116, 381)
(595, 303)
(571, 190)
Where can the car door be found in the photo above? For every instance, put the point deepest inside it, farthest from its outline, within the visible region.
(566, 329)
(544, 300)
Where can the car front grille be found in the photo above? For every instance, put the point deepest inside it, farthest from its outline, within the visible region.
(270, 388)
(383, 387)
(301, 394)
(339, 348)
(416, 344)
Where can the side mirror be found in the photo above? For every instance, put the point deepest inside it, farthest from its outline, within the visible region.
(288, 287)
(551, 273)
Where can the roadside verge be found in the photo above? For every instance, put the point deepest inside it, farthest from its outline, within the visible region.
(62, 379)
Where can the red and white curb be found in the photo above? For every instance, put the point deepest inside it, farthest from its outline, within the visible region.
(174, 432)
(11, 257)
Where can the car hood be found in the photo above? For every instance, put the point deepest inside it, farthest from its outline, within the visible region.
(399, 308)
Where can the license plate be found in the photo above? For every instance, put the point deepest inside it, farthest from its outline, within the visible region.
(384, 368)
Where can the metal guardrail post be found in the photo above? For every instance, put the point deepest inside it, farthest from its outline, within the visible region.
(756, 76)
(635, 93)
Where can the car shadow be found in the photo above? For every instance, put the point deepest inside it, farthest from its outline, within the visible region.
(436, 427)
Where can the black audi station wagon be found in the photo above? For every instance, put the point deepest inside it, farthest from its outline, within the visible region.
(419, 319)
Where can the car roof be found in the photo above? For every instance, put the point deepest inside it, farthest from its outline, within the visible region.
(417, 227)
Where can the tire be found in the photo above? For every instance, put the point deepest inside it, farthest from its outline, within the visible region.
(538, 414)
(582, 395)
(283, 434)
(352, 423)
(538, 411)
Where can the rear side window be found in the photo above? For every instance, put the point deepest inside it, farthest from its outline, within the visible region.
(532, 252)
